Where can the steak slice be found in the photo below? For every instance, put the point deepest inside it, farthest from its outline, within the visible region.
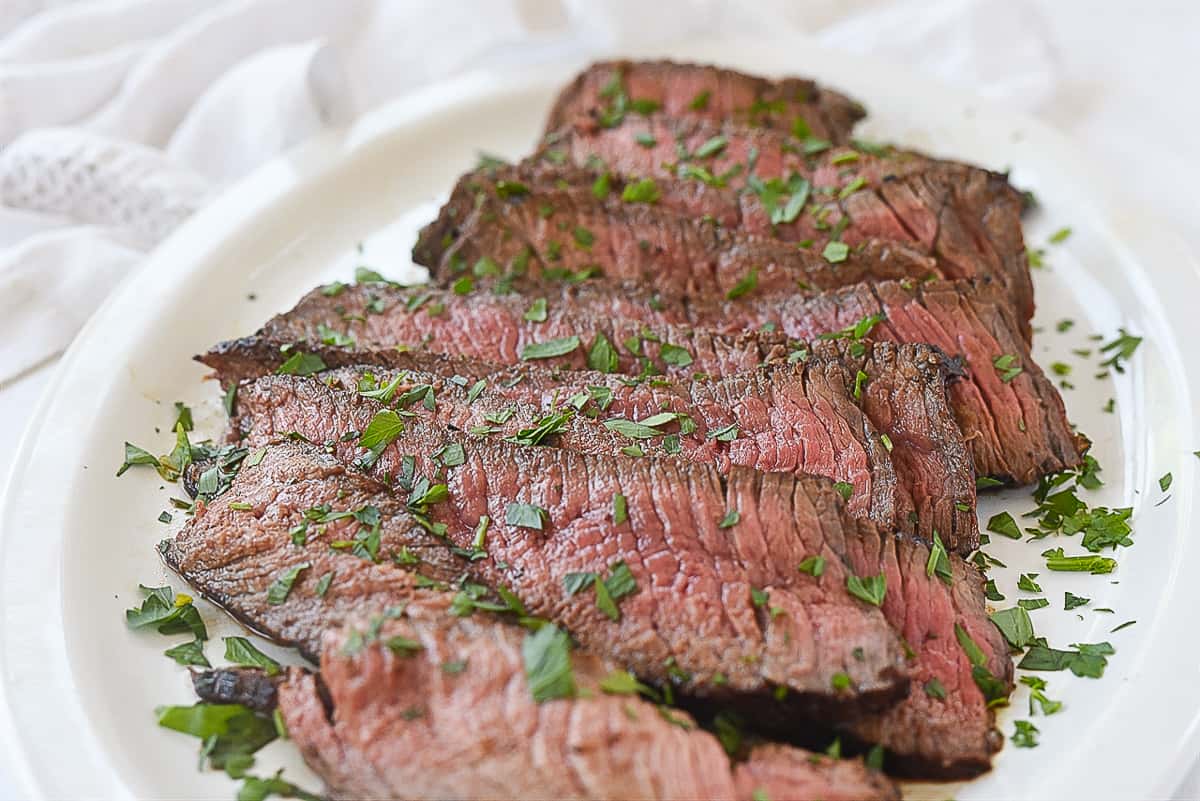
(367, 722)
(689, 611)
(233, 555)
(951, 739)
(926, 736)
(793, 418)
(966, 217)
(509, 230)
(1017, 428)
(606, 90)
(494, 328)
(1010, 413)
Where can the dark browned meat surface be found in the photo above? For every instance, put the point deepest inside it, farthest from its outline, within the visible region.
(966, 217)
(706, 92)
(233, 555)
(514, 226)
(694, 618)
(926, 736)
(396, 723)
(793, 418)
(249, 687)
(1017, 428)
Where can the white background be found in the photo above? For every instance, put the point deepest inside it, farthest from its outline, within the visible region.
(1119, 78)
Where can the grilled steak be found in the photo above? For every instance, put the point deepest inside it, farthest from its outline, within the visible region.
(954, 736)
(966, 217)
(1013, 417)
(233, 556)
(606, 91)
(367, 724)
(496, 329)
(794, 418)
(688, 609)
(958, 739)
(504, 230)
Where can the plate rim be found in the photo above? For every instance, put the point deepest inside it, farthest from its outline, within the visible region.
(265, 185)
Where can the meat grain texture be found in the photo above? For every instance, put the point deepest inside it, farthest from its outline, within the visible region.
(387, 707)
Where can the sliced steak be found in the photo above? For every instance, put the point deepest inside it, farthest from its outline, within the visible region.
(367, 724)
(966, 217)
(944, 728)
(608, 90)
(1011, 414)
(959, 737)
(499, 229)
(498, 329)
(1013, 418)
(234, 555)
(794, 418)
(689, 612)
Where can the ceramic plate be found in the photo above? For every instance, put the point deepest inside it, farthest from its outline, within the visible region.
(79, 689)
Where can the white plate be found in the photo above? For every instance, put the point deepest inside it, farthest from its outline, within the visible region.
(80, 689)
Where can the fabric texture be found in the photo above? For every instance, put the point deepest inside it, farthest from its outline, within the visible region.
(119, 118)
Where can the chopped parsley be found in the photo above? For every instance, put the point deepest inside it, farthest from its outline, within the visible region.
(1096, 565)
(732, 518)
(301, 363)
(994, 691)
(1073, 601)
(1025, 735)
(526, 515)
(281, 587)
(232, 733)
(620, 511)
(871, 589)
(547, 657)
(1036, 686)
(675, 355)
(1122, 349)
(836, 252)
(1087, 660)
(242, 652)
(747, 284)
(602, 356)
(1007, 366)
(550, 348)
(1060, 235)
(813, 566)
(644, 190)
(844, 488)
(939, 561)
(536, 313)
(1004, 525)
(726, 433)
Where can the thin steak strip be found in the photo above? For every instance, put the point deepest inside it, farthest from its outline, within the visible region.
(692, 618)
(1017, 428)
(704, 92)
(792, 418)
(497, 228)
(966, 217)
(367, 722)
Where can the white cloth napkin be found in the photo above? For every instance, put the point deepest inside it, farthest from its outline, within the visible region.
(119, 118)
